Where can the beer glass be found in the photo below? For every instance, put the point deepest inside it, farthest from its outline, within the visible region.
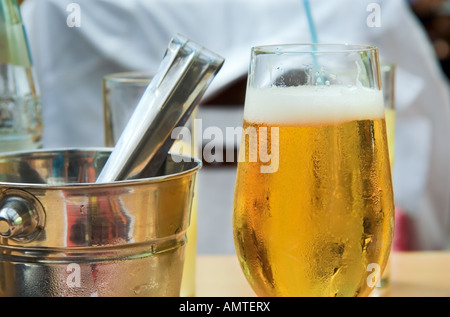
(313, 209)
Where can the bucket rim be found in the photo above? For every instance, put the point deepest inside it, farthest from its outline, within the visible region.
(49, 151)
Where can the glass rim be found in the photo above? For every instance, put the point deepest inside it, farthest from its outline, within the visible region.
(313, 48)
(130, 77)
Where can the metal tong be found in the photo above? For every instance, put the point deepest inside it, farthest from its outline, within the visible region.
(185, 72)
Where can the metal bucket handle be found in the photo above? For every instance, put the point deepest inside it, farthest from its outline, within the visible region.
(22, 216)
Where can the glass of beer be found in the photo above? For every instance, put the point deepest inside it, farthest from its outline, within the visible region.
(313, 209)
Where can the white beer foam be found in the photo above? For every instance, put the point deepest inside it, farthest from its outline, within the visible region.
(312, 104)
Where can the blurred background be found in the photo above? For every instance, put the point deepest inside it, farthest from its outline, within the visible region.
(434, 15)
(73, 47)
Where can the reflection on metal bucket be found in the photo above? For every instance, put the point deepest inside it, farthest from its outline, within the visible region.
(64, 235)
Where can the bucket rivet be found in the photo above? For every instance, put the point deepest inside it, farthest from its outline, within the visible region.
(19, 216)
(4, 227)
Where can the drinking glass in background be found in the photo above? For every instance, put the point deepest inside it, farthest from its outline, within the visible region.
(313, 210)
(121, 94)
(388, 83)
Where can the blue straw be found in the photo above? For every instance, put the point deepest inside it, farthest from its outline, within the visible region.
(312, 27)
(313, 32)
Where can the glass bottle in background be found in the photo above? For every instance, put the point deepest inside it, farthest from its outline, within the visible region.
(20, 108)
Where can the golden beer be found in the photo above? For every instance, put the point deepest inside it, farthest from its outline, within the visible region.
(320, 223)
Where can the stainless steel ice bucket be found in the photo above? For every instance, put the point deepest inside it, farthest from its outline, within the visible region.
(64, 235)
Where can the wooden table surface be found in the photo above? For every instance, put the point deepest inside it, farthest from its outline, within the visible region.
(413, 274)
